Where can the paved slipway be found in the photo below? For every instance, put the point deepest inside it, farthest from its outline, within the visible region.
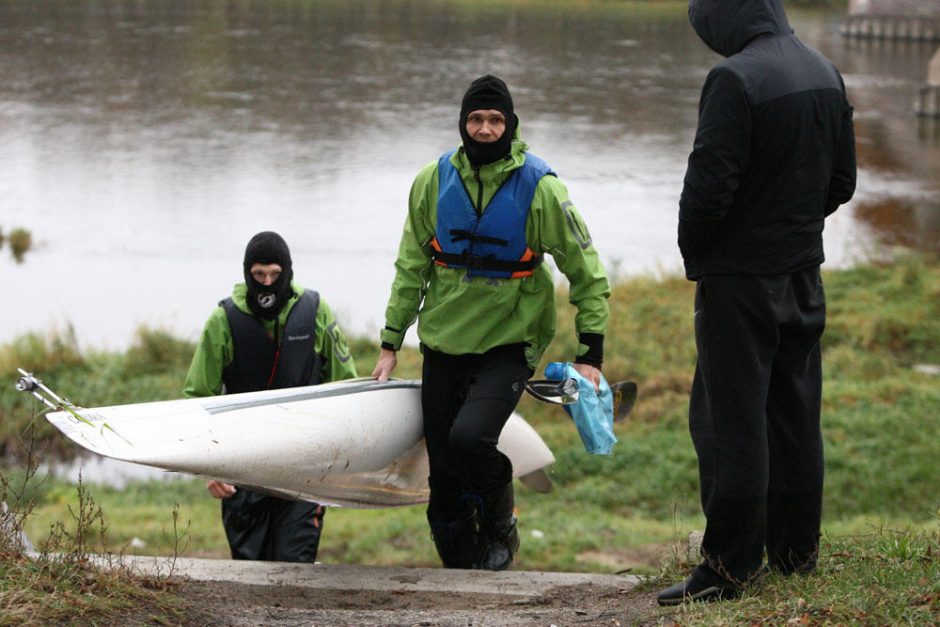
(239, 593)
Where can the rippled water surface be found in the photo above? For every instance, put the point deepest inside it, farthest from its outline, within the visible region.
(143, 143)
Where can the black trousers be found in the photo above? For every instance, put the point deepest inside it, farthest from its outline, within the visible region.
(466, 400)
(754, 418)
(262, 527)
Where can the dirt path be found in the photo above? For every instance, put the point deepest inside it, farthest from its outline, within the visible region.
(238, 605)
(237, 594)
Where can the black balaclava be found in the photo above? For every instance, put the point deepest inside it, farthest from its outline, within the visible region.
(487, 92)
(266, 301)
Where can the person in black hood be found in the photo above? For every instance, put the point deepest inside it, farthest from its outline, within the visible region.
(487, 93)
(469, 271)
(268, 274)
(269, 334)
(774, 154)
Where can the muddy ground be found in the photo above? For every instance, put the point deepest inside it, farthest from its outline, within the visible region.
(238, 605)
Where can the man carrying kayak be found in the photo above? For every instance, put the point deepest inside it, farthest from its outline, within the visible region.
(469, 269)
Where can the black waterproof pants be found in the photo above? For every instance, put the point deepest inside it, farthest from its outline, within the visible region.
(466, 400)
(262, 527)
(754, 419)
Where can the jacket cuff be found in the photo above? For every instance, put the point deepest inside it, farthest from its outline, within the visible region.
(590, 349)
(391, 338)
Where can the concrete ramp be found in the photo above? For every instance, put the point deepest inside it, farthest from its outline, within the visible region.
(240, 593)
(351, 577)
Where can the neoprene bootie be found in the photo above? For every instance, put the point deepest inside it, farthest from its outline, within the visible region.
(456, 541)
(499, 538)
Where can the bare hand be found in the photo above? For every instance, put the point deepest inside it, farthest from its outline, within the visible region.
(387, 361)
(220, 490)
(590, 373)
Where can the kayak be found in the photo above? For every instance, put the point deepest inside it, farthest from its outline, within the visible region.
(354, 443)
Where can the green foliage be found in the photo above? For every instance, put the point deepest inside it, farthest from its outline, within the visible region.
(607, 514)
(35, 352)
(889, 311)
(50, 592)
(382, 537)
(21, 240)
(650, 331)
(152, 511)
(883, 446)
(885, 577)
(61, 583)
(157, 352)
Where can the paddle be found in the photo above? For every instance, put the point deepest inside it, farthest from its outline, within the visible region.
(565, 392)
(558, 392)
(28, 383)
(625, 393)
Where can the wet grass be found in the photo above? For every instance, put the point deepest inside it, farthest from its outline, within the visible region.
(628, 512)
(884, 577)
(60, 582)
(57, 592)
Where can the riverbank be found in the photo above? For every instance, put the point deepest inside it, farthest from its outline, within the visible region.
(628, 512)
(275, 126)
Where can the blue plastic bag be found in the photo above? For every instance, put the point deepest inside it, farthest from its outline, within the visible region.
(593, 414)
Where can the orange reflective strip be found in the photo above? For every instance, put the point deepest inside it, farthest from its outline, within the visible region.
(526, 256)
(436, 246)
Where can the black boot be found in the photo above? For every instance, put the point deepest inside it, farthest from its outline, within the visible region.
(499, 539)
(456, 541)
(702, 585)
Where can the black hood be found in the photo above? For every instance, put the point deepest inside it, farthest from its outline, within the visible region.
(727, 25)
(266, 301)
(488, 92)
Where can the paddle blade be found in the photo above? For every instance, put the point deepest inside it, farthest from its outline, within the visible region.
(538, 481)
(563, 392)
(625, 393)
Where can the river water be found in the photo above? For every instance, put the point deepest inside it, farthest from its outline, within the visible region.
(143, 143)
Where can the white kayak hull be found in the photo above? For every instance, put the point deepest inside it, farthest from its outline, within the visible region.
(353, 443)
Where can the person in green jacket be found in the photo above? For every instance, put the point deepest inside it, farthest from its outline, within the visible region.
(271, 333)
(480, 220)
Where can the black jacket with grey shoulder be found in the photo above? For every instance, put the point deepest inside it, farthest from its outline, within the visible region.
(774, 151)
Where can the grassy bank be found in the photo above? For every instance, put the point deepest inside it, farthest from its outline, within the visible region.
(630, 511)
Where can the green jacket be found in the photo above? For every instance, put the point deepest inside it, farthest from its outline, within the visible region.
(215, 350)
(457, 315)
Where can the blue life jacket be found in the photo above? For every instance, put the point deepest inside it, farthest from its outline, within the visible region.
(260, 362)
(490, 243)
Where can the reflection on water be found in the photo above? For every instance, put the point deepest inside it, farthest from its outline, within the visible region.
(902, 222)
(106, 471)
(145, 142)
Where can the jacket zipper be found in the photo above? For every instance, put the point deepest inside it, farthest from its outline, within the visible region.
(277, 351)
(476, 175)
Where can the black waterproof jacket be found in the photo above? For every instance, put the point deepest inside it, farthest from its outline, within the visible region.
(774, 152)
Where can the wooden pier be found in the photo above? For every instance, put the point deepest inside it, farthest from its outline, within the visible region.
(927, 101)
(902, 27)
(901, 20)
